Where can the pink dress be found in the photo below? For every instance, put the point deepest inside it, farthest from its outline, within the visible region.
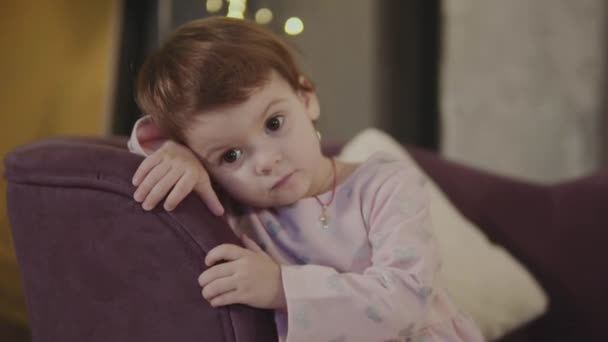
(371, 275)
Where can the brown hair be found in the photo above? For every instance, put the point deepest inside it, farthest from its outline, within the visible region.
(208, 63)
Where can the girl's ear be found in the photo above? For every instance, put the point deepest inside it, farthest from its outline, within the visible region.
(311, 103)
(309, 99)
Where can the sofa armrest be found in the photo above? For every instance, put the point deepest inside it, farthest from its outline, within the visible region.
(96, 267)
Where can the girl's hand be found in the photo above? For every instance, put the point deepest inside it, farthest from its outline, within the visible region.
(175, 170)
(249, 276)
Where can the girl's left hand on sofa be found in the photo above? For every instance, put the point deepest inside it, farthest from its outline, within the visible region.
(248, 276)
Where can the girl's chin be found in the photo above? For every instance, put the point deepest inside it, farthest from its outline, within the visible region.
(272, 204)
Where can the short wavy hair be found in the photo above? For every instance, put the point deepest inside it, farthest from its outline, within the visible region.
(208, 63)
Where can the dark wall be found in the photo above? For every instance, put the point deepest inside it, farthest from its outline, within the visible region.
(409, 69)
(138, 36)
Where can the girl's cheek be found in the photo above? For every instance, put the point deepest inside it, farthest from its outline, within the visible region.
(236, 177)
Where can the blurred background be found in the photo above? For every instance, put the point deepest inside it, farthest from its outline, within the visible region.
(515, 87)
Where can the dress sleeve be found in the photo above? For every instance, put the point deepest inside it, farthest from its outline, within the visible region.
(391, 299)
(146, 137)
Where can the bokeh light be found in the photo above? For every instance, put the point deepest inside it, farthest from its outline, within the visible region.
(294, 26)
(214, 6)
(263, 16)
(236, 8)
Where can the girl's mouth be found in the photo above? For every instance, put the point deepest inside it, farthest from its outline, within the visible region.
(282, 181)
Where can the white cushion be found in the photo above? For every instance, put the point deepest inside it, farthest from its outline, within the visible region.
(482, 278)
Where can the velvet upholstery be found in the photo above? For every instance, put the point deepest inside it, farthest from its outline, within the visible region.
(557, 231)
(96, 267)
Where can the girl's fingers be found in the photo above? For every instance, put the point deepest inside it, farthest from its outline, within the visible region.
(161, 188)
(148, 164)
(225, 298)
(226, 251)
(153, 177)
(218, 287)
(181, 189)
(204, 189)
(216, 272)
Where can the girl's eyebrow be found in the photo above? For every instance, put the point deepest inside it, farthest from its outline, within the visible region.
(270, 104)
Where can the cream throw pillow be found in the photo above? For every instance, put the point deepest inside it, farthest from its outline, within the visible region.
(483, 279)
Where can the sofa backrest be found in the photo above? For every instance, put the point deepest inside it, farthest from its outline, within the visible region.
(558, 231)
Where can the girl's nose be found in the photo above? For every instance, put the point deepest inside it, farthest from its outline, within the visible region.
(267, 162)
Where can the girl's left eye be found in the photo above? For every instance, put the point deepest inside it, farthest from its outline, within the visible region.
(274, 123)
(232, 155)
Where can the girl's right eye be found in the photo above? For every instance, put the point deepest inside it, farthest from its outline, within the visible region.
(231, 155)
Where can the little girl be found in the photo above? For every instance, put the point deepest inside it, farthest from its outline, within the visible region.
(341, 252)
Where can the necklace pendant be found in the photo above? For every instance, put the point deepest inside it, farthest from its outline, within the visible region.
(324, 219)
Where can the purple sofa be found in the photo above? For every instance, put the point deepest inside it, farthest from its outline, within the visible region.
(96, 267)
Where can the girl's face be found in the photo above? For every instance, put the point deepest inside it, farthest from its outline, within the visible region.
(264, 152)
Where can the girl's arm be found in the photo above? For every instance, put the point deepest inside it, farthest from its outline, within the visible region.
(396, 297)
(146, 137)
(169, 169)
